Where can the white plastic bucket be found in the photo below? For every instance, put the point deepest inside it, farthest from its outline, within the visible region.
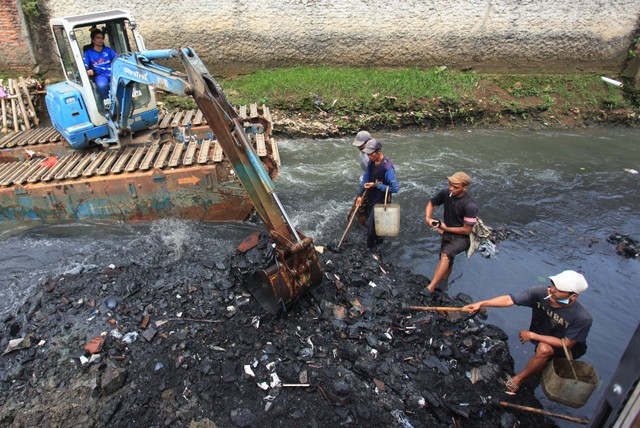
(387, 219)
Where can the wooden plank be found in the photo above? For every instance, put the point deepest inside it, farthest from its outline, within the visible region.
(217, 152)
(106, 166)
(197, 120)
(254, 110)
(166, 120)
(261, 148)
(57, 167)
(93, 167)
(175, 156)
(8, 178)
(82, 164)
(187, 117)
(67, 167)
(177, 118)
(203, 155)
(161, 161)
(25, 175)
(8, 169)
(135, 159)
(191, 153)
(34, 178)
(122, 160)
(148, 159)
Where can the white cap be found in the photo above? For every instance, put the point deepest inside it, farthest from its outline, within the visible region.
(570, 281)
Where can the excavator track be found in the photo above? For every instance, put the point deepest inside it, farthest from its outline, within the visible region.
(179, 171)
(81, 165)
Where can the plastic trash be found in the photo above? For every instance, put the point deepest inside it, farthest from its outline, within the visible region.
(130, 337)
(111, 302)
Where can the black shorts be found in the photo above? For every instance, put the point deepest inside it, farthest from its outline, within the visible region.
(452, 245)
(578, 350)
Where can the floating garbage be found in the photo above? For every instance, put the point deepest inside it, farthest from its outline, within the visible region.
(630, 171)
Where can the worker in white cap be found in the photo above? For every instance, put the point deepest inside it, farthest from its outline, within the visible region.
(556, 316)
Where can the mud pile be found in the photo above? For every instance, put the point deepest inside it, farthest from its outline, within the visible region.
(180, 343)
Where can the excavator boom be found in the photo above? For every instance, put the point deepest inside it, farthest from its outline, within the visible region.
(296, 267)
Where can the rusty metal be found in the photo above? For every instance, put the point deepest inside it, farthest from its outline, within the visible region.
(276, 287)
(122, 185)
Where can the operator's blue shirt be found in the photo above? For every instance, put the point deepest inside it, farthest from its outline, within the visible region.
(99, 62)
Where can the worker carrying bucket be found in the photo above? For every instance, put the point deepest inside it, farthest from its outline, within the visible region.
(558, 320)
(379, 181)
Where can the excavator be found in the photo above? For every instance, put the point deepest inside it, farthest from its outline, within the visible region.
(86, 120)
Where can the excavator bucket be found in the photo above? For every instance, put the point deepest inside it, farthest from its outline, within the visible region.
(297, 267)
(278, 286)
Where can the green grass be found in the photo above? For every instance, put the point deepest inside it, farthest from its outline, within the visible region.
(375, 90)
(351, 87)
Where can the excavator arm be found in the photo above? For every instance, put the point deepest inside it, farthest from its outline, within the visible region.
(296, 267)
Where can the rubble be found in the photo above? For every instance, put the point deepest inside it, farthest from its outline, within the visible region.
(206, 354)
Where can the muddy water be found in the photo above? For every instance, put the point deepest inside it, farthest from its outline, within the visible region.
(563, 192)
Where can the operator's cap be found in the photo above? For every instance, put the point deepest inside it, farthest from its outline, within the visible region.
(570, 281)
(372, 145)
(460, 177)
(361, 138)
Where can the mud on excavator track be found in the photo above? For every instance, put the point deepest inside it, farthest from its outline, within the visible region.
(176, 170)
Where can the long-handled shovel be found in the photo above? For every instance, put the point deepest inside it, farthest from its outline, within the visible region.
(353, 215)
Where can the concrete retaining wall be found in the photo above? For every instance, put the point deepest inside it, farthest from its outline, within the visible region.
(489, 35)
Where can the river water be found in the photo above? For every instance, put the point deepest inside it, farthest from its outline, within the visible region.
(564, 192)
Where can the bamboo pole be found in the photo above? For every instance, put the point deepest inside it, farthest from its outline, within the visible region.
(4, 111)
(21, 106)
(14, 111)
(23, 84)
(544, 412)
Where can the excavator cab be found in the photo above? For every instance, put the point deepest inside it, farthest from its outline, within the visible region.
(76, 108)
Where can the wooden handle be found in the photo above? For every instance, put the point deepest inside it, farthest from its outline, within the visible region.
(438, 308)
(544, 412)
(355, 212)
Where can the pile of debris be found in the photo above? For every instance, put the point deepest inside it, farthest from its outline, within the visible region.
(18, 111)
(626, 246)
(179, 343)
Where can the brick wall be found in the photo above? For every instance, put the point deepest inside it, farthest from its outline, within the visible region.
(15, 49)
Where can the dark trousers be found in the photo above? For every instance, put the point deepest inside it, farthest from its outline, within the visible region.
(372, 237)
